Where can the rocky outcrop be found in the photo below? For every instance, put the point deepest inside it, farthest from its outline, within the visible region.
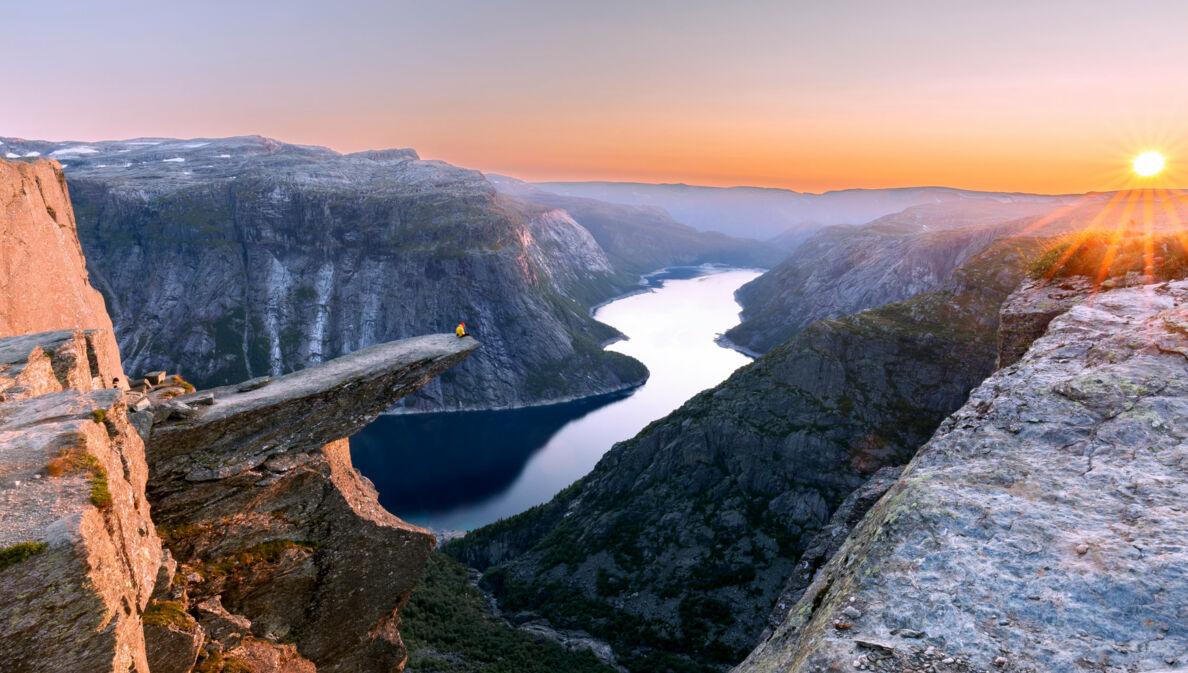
(228, 259)
(847, 269)
(1025, 314)
(78, 550)
(253, 488)
(679, 542)
(288, 561)
(43, 276)
(1039, 530)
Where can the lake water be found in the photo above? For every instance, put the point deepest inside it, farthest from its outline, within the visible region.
(466, 469)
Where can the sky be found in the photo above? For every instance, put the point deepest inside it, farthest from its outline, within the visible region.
(1045, 96)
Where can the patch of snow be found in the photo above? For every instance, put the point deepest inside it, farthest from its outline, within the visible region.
(144, 142)
(224, 156)
(176, 160)
(32, 154)
(10, 155)
(65, 165)
(74, 151)
(195, 145)
(122, 151)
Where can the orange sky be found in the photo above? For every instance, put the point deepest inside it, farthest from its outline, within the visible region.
(1052, 96)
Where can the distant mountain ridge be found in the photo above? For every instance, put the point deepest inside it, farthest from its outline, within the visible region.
(765, 213)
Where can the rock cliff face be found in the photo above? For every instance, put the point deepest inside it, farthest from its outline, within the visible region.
(257, 500)
(78, 550)
(846, 269)
(287, 562)
(679, 542)
(231, 258)
(39, 236)
(1040, 529)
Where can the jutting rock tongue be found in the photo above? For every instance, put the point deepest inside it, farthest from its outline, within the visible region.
(257, 499)
(43, 276)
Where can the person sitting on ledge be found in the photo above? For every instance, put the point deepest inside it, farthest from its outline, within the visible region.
(461, 330)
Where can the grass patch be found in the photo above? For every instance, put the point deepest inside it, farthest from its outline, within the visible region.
(100, 496)
(213, 661)
(447, 628)
(169, 613)
(186, 385)
(265, 552)
(10, 556)
(99, 415)
(75, 459)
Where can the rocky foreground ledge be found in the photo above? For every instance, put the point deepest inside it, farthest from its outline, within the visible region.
(278, 557)
(1042, 528)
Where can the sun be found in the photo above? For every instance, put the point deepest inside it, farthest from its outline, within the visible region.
(1148, 164)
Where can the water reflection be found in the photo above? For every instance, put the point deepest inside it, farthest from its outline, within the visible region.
(463, 470)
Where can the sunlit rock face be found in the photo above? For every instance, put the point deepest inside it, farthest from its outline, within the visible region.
(1040, 529)
(235, 258)
(42, 270)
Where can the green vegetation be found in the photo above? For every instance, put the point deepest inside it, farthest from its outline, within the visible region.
(99, 415)
(10, 556)
(265, 552)
(169, 613)
(100, 495)
(1101, 254)
(213, 661)
(446, 628)
(179, 381)
(75, 459)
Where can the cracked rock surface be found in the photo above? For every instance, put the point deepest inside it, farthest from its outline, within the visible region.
(1042, 528)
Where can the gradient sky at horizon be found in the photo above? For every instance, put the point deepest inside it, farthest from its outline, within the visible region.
(1050, 96)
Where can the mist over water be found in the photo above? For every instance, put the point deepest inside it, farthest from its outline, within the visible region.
(464, 470)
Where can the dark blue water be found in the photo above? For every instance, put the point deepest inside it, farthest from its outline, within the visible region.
(468, 469)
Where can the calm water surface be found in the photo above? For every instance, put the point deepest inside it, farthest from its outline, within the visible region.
(464, 470)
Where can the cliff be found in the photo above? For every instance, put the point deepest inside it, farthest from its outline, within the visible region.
(678, 543)
(287, 562)
(847, 269)
(78, 550)
(1039, 530)
(39, 234)
(255, 496)
(227, 259)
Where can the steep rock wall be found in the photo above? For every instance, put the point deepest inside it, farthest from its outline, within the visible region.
(43, 276)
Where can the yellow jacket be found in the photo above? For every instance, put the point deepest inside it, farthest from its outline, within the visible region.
(461, 329)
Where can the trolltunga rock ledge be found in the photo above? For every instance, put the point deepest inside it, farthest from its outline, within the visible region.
(255, 496)
(1041, 529)
(297, 412)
